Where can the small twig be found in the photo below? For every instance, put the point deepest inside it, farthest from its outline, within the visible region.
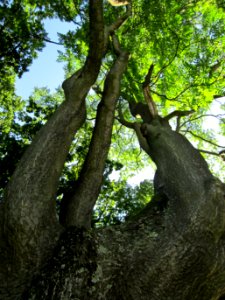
(174, 98)
(36, 36)
(203, 116)
(209, 152)
(172, 59)
(52, 42)
(179, 113)
(203, 139)
(185, 89)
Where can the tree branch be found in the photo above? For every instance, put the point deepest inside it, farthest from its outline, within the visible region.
(110, 30)
(179, 113)
(203, 116)
(172, 59)
(203, 139)
(209, 152)
(137, 128)
(36, 36)
(27, 211)
(185, 89)
(119, 22)
(147, 92)
(77, 210)
(123, 121)
(174, 98)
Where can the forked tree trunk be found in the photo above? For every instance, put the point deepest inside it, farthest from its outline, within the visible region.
(29, 226)
(174, 249)
(170, 251)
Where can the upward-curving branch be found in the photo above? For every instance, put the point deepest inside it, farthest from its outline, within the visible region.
(30, 217)
(147, 92)
(78, 209)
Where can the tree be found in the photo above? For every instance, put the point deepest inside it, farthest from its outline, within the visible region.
(19, 47)
(174, 247)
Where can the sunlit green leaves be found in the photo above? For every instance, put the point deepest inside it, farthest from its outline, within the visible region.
(118, 201)
(9, 102)
(21, 39)
(184, 41)
(16, 135)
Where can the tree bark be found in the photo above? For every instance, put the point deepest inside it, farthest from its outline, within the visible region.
(30, 224)
(174, 249)
(139, 260)
(77, 211)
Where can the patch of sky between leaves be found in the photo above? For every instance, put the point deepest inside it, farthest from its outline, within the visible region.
(146, 173)
(213, 123)
(45, 71)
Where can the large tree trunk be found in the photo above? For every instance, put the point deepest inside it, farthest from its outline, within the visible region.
(30, 226)
(174, 249)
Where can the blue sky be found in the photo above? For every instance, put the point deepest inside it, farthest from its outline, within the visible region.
(45, 70)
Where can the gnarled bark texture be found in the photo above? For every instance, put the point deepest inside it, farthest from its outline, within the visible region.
(77, 211)
(173, 249)
(30, 226)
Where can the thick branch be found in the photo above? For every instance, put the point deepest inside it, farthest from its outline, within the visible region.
(141, 139)
(30, 195)
(182, 173)
(137, 128)
(86, 76)
(142, 110)
(178, 113)
(78, 210)
(147, 93)
(126, 123)
(148, 76)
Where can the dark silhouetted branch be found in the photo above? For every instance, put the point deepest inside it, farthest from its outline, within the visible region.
(204, 139)
(147, 92)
